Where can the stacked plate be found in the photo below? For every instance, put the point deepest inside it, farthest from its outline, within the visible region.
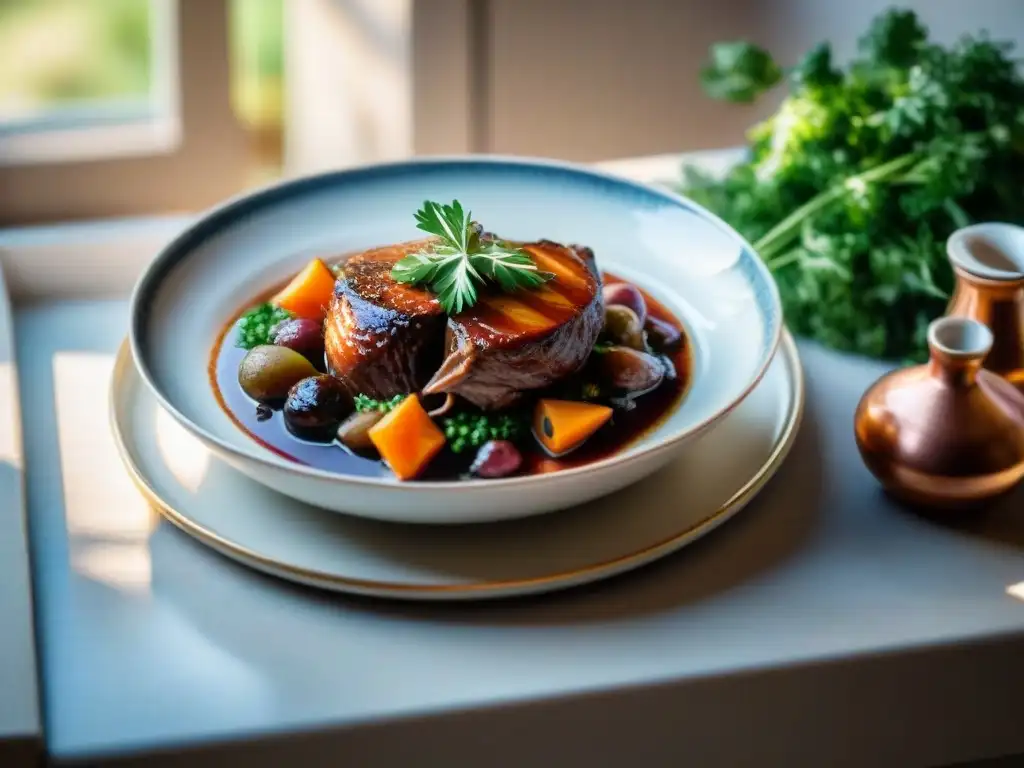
(461, 538)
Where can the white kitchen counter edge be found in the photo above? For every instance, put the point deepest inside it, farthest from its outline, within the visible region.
(20, 727)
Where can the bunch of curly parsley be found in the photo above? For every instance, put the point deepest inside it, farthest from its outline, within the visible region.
(851, 188)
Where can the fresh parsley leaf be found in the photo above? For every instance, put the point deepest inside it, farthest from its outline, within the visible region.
(416, 268)
(255, 325)
(815, 70)
(739, 72)
(462, 260)
(455, 280)
(894, 39)
(448, 222)
(512, 270)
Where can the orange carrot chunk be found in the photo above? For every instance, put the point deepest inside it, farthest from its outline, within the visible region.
(407, 438)
(562, 425)
(309, 293)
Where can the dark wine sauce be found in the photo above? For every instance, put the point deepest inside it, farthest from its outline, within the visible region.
(267, 427)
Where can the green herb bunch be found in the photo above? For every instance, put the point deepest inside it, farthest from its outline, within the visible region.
(851, 188)
(469, 429)
(255, 325)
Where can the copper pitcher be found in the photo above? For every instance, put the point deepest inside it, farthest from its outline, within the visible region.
(988, 260)
(947, 433)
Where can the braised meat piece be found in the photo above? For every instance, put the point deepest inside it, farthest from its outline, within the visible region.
(382, 338)
(508, 343)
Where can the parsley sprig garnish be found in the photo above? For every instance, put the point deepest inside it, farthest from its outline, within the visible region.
(461, 259)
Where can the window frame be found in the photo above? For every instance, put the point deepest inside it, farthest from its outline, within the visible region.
(189, 152)
(110, 128)
(449, 76)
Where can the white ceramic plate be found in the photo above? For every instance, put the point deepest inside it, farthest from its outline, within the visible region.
(711, 481)
(687, 258)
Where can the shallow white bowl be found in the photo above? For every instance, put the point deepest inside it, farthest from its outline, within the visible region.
(683, 255)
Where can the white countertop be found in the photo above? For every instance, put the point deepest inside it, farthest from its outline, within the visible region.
(822, 626)
(149, 640)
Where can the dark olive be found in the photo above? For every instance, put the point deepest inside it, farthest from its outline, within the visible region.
(267, 372)
(303, 335)
(354, 432)
(622, 326)
(496, 458)
(662, 335)
(626, 295)
(670, 368)
(314, 407)
(630, 371)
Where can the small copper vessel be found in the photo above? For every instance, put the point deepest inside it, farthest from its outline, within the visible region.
(946, 434)
(988, 260)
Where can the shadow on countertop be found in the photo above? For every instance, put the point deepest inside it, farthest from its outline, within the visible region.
(1001, 522)
(769, 530)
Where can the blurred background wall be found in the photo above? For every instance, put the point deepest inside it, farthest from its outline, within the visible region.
(598, 79)
(119, 107)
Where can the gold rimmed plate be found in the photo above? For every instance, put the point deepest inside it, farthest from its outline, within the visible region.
(222, 508)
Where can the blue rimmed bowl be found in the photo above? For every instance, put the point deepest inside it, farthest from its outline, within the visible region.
(684, 256)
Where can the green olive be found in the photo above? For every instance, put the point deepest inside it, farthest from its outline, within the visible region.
(623, 327)
(267, 372)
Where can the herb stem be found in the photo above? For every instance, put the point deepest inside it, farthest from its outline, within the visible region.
(787, 230)
(956, 213)
(783, 260)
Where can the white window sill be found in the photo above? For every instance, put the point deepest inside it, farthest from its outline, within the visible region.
(31, 145)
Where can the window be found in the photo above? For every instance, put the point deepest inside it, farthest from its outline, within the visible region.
(83, 79)
(111, 108)
(58, 53)
(162, 138)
